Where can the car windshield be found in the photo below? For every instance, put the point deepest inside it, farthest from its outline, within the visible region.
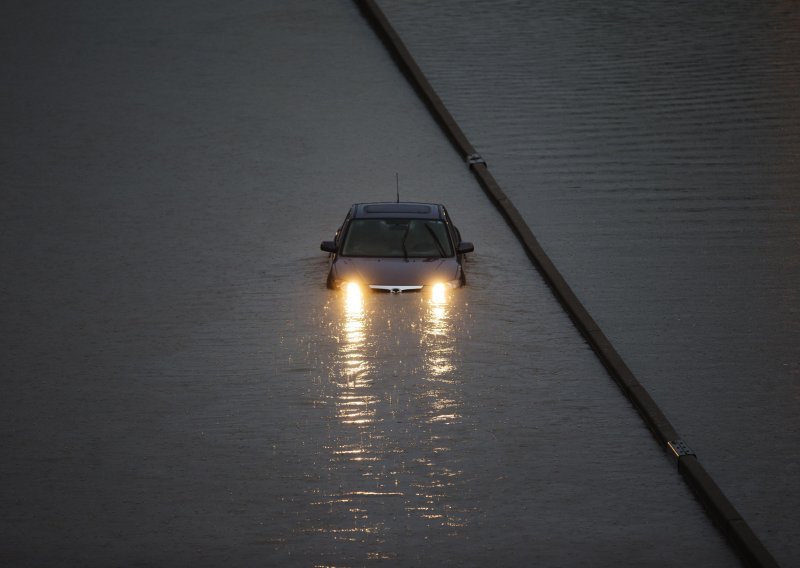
(397, 238)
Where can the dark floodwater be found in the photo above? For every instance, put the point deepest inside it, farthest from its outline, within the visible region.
(181, 388)
(654, 148)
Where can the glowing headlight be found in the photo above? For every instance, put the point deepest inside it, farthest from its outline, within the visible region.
(439, 292)
(352, 289)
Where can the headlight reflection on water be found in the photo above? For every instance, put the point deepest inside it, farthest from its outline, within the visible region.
(354, 324)
(393, 389)
(437, 342)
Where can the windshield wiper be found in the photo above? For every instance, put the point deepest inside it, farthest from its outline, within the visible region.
(403, 242)
(436, 240)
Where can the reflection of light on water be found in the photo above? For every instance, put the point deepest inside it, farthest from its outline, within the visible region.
(438, 342)
(352, 408)
(353, 326)
(443, 405)
(393, 392)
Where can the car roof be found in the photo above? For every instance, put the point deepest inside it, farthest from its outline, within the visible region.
(389, 210)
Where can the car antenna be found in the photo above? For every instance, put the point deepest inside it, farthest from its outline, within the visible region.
(397, 182)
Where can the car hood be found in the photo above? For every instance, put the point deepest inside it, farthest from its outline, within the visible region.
(396, 271)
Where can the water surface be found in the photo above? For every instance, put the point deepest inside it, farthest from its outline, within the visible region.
(181, 388)
(654, 149)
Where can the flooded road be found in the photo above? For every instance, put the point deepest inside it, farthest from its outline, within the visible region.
(654, 149)
(180, 386)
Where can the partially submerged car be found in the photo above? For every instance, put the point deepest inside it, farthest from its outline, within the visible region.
(397, 247)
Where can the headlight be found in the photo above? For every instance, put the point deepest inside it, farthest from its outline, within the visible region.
(352, 289)
(451, 285)
(440, 290)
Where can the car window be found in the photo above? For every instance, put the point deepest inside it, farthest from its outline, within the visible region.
(397, 238)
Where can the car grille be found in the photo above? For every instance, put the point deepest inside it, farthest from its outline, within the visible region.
(395, 289)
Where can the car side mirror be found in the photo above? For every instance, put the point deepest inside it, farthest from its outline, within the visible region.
(328, 246)
(464, 248)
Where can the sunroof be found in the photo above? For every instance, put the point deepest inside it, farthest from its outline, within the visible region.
(398, 208)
